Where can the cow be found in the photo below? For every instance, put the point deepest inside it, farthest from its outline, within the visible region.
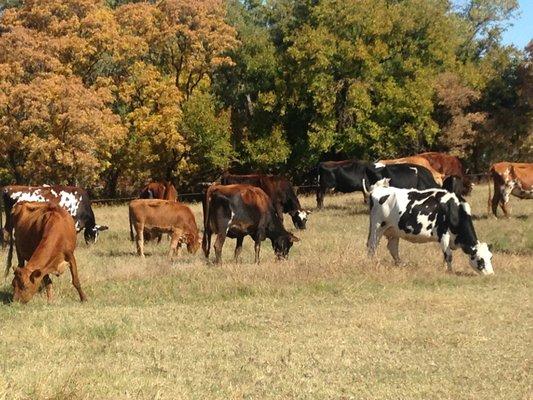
(280, 191)
(344, 176)
(239, 210)
(448, 165)
(159, 190)
(509, 178)
(45, 239)
(73, 199)
(404, 176)
(163, 216)
(418, 161)
(454, 184)
(432, 215)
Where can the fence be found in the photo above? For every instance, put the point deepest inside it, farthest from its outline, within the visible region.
(302, 189)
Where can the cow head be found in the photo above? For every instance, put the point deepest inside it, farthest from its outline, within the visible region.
(481, 259)
(91, 234)
(193, 244)
(282, 244)
(25, 284)
(299, 218)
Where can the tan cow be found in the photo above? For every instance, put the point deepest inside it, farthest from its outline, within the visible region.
(509, 178)
(418, 161)
(45, 239)
(163, 216)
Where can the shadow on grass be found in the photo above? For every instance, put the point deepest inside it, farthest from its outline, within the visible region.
(119, 253)
(523, 217)
(6, 296)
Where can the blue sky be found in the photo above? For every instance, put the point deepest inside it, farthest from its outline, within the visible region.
(522, 30)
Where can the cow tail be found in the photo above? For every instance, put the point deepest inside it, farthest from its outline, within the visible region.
(489, 201)
(132, 238)
(205, 209)
(9, 257)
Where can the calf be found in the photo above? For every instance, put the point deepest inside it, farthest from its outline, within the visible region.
(280, 191)
(509, 178)
(236, 211)
(45, 239)
(433, 215)
(163, 216)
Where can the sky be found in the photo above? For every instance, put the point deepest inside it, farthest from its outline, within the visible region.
(522, 30)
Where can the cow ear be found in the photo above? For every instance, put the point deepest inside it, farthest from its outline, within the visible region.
(101, 228)
(293, 238)
(35, 275)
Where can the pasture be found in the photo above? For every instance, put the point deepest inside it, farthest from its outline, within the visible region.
(327, 323)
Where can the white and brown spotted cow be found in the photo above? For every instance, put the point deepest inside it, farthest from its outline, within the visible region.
(509, 178)
(432, 215)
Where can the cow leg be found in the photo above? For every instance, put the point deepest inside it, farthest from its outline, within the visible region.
(48, 286)
(393, 246)
(175, 244)
(221, 237)
(447, 251)
(206, 242)
(257, 248)
(505, 208)
(374, 236)
(496, 199)
(238, 248)
(139, 239)
(320, 194)
(75, 279)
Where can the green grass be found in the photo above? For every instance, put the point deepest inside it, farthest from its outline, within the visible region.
(327, 323)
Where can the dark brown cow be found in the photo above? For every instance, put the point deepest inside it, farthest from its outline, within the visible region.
(236, 211)
(159, 190)
(163, 216)
(509, 178)
(448, 165)
(45, 239)
(280, 191)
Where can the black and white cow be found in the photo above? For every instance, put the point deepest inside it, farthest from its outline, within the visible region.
(433, 215)
(73, 199)
(405, 176)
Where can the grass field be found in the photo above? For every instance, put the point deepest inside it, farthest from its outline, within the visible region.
(326, 324)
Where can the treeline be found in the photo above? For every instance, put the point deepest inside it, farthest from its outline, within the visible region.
(109, 94)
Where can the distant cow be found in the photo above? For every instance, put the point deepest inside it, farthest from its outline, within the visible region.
(73, 199)
(280, 191)
(236, 211)
(509, 178)
(344, 176)
(45, 239)
(159, 190)
(448, 165)
(423, 162)
(418, 216)
(163, 216)
(404, 176)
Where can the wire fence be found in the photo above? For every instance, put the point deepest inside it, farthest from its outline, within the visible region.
(197, 197)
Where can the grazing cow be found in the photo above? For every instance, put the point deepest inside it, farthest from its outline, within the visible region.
(159, 190)
(344, 176)
(73, 199)
(405, 176)
(432, 215)
(437, 176)
(454, 184)
(45, 239)
(448, 165)
(239, 210)
(509, 178)
(163, 216)
(280, 191)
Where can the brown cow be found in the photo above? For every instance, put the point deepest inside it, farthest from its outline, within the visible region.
(448, 166)
(45, 238)
(159, 190)
(418, 161)
(509, 178)
(163, 216)
(236, 211)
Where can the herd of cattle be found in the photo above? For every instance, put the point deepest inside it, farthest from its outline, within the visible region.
(418, 198)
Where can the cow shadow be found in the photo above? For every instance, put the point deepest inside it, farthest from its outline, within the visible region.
(6, 296)
(523, 217)
(119, 253)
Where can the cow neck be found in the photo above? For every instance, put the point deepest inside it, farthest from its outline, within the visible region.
(466, 236)
(275, 227)
(44, 256)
